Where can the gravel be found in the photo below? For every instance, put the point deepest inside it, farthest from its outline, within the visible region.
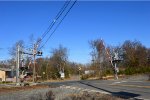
(59, 93)
(23, 95)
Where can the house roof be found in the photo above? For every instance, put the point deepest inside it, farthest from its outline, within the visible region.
(5, 69)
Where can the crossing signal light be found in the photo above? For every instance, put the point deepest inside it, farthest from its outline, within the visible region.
(39, 53)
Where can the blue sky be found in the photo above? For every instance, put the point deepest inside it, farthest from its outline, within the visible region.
(114, 22)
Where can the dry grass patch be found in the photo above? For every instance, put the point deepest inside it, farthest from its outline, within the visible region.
(91, 96)
(12, 89)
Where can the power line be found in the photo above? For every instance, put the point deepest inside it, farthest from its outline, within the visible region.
(55, 19)
(58, 24)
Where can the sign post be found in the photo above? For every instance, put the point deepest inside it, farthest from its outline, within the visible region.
(79, 68)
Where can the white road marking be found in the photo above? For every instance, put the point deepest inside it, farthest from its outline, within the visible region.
(118, 82)
(139, 98)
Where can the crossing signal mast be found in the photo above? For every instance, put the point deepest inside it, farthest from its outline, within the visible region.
(114, 59)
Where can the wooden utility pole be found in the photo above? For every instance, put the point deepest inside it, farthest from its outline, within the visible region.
(38, 53)
(47, 70)
(34, 55)
(17, 65)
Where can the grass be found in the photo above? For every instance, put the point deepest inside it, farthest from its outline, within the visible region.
(7, 82)
(12, 89)
(77, 96)
(91, 96)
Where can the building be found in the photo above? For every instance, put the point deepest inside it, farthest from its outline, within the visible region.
(89, 72)
(6, 74)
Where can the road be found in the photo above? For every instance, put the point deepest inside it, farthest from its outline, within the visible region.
(129, 89)
(135, 87)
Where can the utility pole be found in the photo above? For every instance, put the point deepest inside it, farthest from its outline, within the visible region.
(47, 71)
(34, 68)
(17, 67)
(34, 54)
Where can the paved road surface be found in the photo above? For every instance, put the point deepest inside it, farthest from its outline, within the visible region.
(131, 89)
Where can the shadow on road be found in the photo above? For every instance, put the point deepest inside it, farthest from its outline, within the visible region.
(122, 94)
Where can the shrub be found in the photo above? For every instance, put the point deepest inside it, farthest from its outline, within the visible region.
(121, 72)
(129, 71)
(36, 97)
(134, 70)
(109, 72)
(84, 77)
(91, 96)
(50, 96)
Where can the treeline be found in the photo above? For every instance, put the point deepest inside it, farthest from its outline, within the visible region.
(50, 67)
(135, 58)
(47, 68)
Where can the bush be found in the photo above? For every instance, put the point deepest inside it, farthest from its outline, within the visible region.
(91, 96)
(109, 72)
(84, 77)
(121, 72)
(138, 70)
(129, 71)
(50, 96)
(36, 97)
(5, 82)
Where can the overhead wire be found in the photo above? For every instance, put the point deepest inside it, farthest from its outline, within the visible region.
(58, 24)
(55, 19)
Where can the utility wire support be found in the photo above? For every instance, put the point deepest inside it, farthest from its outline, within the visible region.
(58, 24)
(34, 55)
(17, 67)
(55, 19)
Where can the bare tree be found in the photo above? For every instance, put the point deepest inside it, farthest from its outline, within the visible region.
(98, 55)
(59, 60)
(13, 50)
(135, 54)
